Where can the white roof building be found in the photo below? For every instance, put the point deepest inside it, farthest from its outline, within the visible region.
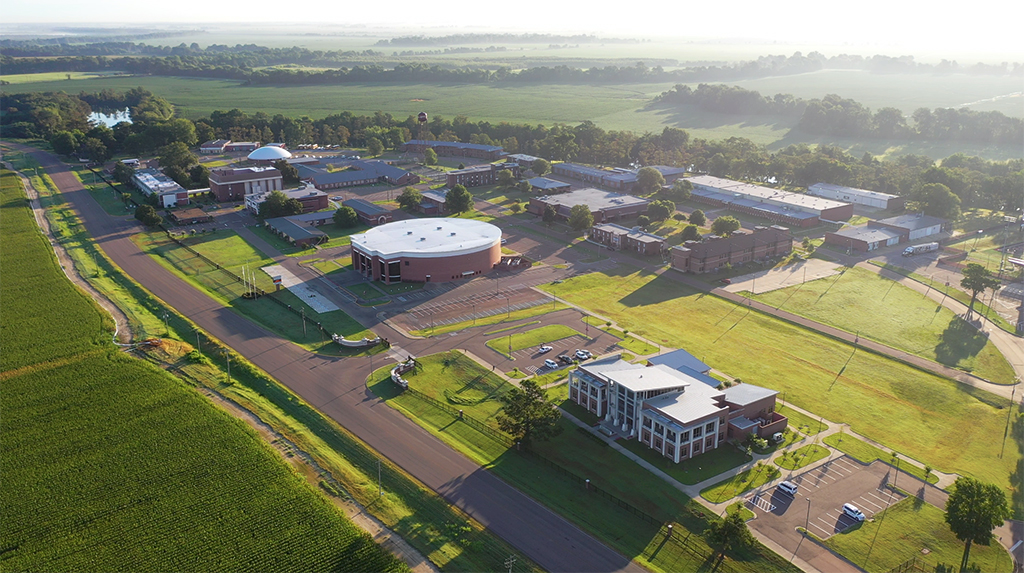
(427, 238)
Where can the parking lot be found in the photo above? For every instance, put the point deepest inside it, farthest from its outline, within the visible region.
(822, 491)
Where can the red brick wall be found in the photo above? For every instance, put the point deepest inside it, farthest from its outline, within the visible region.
(440, 269)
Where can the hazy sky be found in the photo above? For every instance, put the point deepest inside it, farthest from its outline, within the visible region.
(980, 26)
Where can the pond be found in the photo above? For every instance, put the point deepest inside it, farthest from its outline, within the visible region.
(110, 119)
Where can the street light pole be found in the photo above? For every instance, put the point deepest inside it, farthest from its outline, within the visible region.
(227, 357)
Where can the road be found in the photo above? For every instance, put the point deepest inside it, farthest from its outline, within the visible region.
(339, 392)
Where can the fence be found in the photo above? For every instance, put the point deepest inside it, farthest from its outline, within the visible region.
(912, 564)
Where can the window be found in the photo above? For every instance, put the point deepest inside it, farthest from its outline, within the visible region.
(670, 436)
(684, 451)
(645, 436)
(710, 428)
(406, 263)
(647, 422)
(659, 429)
(697, 433)
(670, 451)
(685, 437)
(709, 442)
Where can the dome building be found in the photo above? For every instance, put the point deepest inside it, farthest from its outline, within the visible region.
(427, 250)
(269, 154)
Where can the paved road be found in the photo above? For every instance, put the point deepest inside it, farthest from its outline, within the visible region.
(339, 392)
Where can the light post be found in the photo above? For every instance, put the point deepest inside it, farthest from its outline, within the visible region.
(807, 521)
(508, 307)
(198, 347)
(380, 488)
(227, 357)
(509, 562)
(302, 311)
(166, 331)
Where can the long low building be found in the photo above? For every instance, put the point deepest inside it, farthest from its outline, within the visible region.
(779, 206)
(858, 196)
(617, 178)
(741, 247)
(618, 238)
(356, 172)
(426, 250)
(477, 175)
(167, 192)
(454, 148)
(369, 213)
(311, 199)
(604, 205)
(887, 232)
(228, 184)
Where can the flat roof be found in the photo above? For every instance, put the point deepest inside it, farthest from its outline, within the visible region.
(867, 234)
(913, 221)
(456, 144)
(759, 193)
(679, 359)
(849, 190)
(596, 199)
(427, 238)
(744, 394)
(545, 183)
(696, 402)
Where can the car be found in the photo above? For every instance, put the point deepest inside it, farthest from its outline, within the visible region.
(503, 241)
(550, 363)
(853, 511)
(544, 349)
(565, 358)
(582, 354)
(727, 281)
(788, 487)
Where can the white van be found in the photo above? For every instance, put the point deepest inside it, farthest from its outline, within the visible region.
(788, 487)
(852, 511)
(551, 364)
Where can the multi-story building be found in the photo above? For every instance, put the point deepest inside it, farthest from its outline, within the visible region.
(213, 147)
(739, 248)
(166, 190)
(311, 198)
(621, 238)
(480, 174)
(604, 205)
(228, 184)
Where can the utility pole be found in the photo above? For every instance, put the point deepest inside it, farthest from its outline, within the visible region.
(227, 357)
(166, 331)
(509, 562)
(198, 347)
(303, 311)
(380, 489)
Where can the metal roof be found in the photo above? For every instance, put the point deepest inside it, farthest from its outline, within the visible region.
(744, 394)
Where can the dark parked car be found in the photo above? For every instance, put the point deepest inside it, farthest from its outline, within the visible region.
(565, 358)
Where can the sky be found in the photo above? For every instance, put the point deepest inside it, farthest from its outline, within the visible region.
(991, 26)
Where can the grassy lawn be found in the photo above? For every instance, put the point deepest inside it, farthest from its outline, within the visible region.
(909, 410)
(339, 237)
(573, 450)
(867, 453)
(331, 266)
(493, 319)
(398, 288)
(232, 253)
(365, 291)
(531, 338)
(903, 531)
(692, 470)
(801, 457)
(626, 341)
(859, 300)
(507, 328)
(953, 293)
(801, 422)
(741, 483)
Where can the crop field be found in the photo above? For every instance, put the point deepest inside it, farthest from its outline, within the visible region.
(111, 464)
(864, 302)
(918, 414)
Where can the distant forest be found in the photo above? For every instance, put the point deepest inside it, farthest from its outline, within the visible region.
(963, 181)
(455, 39)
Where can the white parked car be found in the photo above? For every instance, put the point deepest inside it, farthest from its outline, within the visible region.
(583, 354)
(788, 487)
(852, 511)
(544, 349)
(550, 364)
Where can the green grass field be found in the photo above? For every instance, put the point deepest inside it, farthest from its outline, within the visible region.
(531, 338)
(693, 470)
(111, 464)
(860, 301)
(867, 453)
(574, 450)
(801, 422)
(903, 531)
(911, 411)
(493, 319)
(801, 457)
(741, 483)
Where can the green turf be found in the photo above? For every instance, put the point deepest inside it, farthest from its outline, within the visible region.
(754, 477)
(574, 450)
(801, 422)
(907, 409)
(692, 470)
(366, 291)
(903, 531)
(507, 328)
(867, 453)
(801, 457)
(500, 318)
(111, 464)
(338, 237)
(860, 301)
(398, 289)
(536, 337)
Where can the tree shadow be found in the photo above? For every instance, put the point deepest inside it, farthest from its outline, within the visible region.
(960, 341)
(659, 290)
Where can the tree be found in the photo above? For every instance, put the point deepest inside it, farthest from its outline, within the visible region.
(277, 204)
(524, 186)
(346, 217)
(659, 210)
(728, 534)
(691, 233)
(527, 416)
(937, 200)
(973, 510)
(410, 199)
(681, 189)
(459, 200)
(462, 166)
(516, 208)
(98, 153)
(977, 279)
(176, 153)
(289, 174)
(64, 142)
(698, 218)
(642, 221)
(550, 215)
(126, 198)
(179, 175)
(580, 217)
(148, 216)
(430, 157)
(506, 178)
(374, 147)
(725, 225)
(649, 180)
(200, 175)
(540, 166)
(123, 173)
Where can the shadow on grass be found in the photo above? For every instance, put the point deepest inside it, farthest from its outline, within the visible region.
(659, 290)
(960, 341)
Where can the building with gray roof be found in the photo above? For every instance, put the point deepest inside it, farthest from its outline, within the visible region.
(858, 196)
(604, 205)
(296, 231)
(887, 232)
(547, 186)
(773, 204)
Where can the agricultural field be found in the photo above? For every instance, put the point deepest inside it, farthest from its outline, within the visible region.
(916, 413)
(111, 464)
(461, 384)
(860, 301)
(903, 531)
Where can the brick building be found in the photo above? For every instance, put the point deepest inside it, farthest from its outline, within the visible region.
(604, 205)
(311, 199)
(228, 184)
(779, 206)
(741, 247)
(357, 172)
(887, 232)
(479, 174)
(624, 239)
(166, 190)
(369, 213)
(455, 149)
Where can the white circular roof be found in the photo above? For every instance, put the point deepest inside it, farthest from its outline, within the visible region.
(427, 238)
(269, 154)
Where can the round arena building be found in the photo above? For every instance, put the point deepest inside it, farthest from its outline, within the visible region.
(426, 250)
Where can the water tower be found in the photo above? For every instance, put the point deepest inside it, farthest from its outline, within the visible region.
(423, 126)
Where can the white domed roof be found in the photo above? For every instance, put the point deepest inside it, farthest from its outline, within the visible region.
(269, 154)
(428, 238)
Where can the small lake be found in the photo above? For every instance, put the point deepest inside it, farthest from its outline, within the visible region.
(110, 119)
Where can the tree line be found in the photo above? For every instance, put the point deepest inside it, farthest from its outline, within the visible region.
(834, 115)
